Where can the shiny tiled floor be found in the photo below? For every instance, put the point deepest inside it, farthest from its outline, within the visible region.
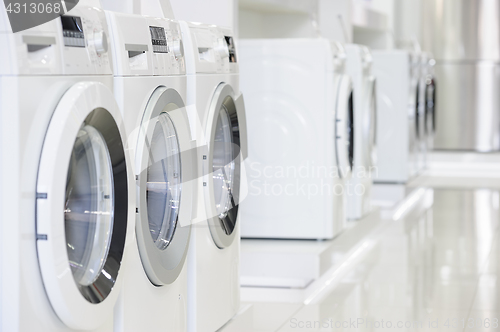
(438, 270)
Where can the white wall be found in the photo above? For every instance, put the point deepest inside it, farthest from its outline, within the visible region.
(255, 24)
(408, 22)
(334, 19)
(296, 19)
(378, 39)
(219, 12)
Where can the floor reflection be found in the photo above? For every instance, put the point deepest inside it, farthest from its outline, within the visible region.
(435, 269)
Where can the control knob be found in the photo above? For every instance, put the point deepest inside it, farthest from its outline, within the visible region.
(222, 49)
(100, 42)
(177, 48)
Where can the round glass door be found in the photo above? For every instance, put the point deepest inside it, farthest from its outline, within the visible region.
(164, 182)
(95, 206)
(344, 127)
(224, 165)
(430, 97)
(89, 203)
(166, 159)
(417, 114)
(350, 130)
(82, 206)
(373, 124)
(223, 168)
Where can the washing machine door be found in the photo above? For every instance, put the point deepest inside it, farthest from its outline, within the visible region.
(417, 112)
(345, 127)
(226, 140)
(430, 105)
(82, 206)
(371, 106)
(165, 166)
(413, 123)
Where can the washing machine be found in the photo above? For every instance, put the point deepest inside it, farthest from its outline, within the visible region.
(150, 86)
(217, 118)
(300, 113)
(66, 178)
(359, 67)
(398, 117)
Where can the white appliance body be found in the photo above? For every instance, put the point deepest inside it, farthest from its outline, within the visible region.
(217, 116)
(299, 120)
(397, 93)
(150, 87)
(359, 67)
(65, 177)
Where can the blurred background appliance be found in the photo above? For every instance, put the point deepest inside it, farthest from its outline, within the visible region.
(464, 37)
(418, 58)
(301, 151)
(358, 190)
(397, 111)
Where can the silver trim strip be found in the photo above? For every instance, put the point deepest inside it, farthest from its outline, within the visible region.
(136, 47)
(39, 40)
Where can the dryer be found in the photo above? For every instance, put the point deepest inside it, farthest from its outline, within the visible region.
(65, 176)
(217, 117)
(301, 137)
(358, 190)
(398, 117)
(151, 89)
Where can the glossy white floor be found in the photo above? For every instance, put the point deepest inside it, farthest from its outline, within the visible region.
(430, 263)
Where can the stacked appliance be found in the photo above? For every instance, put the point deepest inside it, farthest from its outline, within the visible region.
(151, 90)
(301, 133)
(67, 174)
(358, 190)
(463, 37)
(217, 118)
(399, 121)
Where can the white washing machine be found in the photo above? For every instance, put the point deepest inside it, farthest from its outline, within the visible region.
(150, 86)
(397, 116)
(65, 176)
(217, 116)
(301, 133)
(359, 67)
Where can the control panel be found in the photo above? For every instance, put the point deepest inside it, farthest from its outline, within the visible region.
(158, 39)
(73, 34)
(232, 49)
(367, 60)
(339, 56)
(167, 46)
(85, 41)
(176, 48)
(229, 62)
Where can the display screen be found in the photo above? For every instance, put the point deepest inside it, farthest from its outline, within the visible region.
(72, 23)
(158, 39)
(232, 48)
(73, 31)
